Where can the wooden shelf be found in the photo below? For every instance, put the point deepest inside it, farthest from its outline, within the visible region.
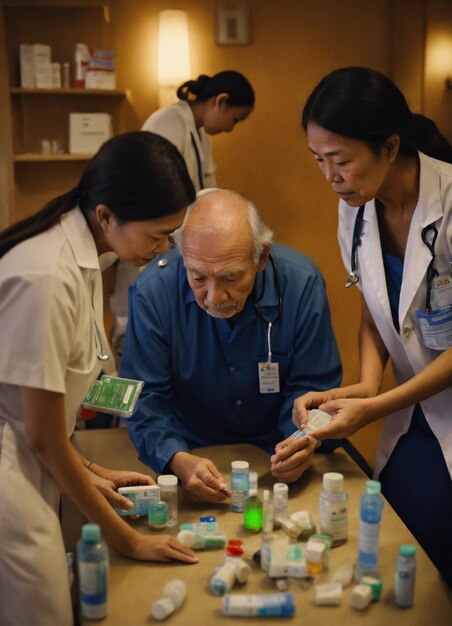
(32, 157)
(72, 91)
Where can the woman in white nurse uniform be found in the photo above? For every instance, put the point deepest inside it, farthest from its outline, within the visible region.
(132, 195)
(392, 170)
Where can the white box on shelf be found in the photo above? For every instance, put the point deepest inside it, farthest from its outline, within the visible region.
(35, 65)
(88, 131)
(98, 79)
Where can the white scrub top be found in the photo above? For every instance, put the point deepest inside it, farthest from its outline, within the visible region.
(408, 353)
(50, 295)
(177, 124)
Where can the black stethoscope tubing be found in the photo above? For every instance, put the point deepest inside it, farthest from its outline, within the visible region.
(353, 276)
(278, 291)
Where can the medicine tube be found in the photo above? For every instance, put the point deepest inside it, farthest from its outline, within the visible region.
(168, 493)
(239, 485)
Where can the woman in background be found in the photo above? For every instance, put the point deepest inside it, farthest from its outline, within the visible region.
(207, 106)
(132, 195)
(392, 171)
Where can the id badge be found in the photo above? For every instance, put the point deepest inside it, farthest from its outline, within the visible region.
(268, 377)
(436, 328)
(441, 297)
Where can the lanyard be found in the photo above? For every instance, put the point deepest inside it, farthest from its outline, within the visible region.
(270, 323)
(198, 161)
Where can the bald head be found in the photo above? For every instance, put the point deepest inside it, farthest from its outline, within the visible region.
(224, 243)
(227, 215)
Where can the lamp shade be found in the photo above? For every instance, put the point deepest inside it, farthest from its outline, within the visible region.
(174, 55)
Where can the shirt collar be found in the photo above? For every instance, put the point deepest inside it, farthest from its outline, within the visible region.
(80, 238)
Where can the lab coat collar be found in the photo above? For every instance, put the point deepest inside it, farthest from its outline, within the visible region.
(80, 238)
(373, 258)
(417, 255)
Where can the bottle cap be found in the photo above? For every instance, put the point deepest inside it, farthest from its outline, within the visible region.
(252, 492)
(208, 518)
(240, 466)
(280, 488)
(235, 542)
(333, 481)
(167, 480)
(218, 586)
(91, 533)
(186, 538)
(373, 486)
(162, 608)
(234, 551)
(266, 495)
(407, 550)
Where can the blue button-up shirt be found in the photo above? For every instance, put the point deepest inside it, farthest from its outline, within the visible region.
(201, 374)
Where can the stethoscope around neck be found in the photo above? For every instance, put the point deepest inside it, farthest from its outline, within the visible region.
(256, 300)
(353, 276)
(101, 355)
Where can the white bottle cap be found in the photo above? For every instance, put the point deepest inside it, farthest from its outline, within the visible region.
(176, 590)
(329, 594)
(162, 608)
(186, 538)
(167, 481)
(360, 597)
(315, 551)
(343, 574)
(240, 466)
(280, 488)
(266, 496)
(333, 481)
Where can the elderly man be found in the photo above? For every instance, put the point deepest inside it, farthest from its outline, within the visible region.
(226, 331)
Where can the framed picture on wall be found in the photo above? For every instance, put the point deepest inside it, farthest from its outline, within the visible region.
(232, 22)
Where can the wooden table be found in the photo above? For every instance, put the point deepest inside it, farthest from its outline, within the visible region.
(135, 585)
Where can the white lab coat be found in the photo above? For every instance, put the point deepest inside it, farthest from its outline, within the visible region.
(50, 294)
(408, 353)
(177, 124)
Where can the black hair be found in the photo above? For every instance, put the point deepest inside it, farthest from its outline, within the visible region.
(364, 104)
(233, 83)
(138, 175)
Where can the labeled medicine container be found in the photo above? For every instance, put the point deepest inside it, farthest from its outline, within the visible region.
(334, 508)
(168, 493)
(405, 576)
(239, 485)
(93, 568)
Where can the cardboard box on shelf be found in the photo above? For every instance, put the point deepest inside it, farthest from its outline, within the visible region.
(35, 66)
(88, 131)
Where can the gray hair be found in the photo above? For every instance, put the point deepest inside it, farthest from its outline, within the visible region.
(261, 234)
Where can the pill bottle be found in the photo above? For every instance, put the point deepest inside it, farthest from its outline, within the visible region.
(280, 501)
(174, 594)
(66, 75)
(157, 515)
(141, 497)
(334, 508)
(81, 57)
(56, 75)
(405, 574)
(239, 485)
(168, 493)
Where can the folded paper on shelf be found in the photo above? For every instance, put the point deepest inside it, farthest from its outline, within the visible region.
(88, 131)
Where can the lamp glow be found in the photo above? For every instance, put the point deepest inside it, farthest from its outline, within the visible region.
(173, 50)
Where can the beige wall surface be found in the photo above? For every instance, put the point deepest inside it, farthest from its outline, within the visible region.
(293, 44)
